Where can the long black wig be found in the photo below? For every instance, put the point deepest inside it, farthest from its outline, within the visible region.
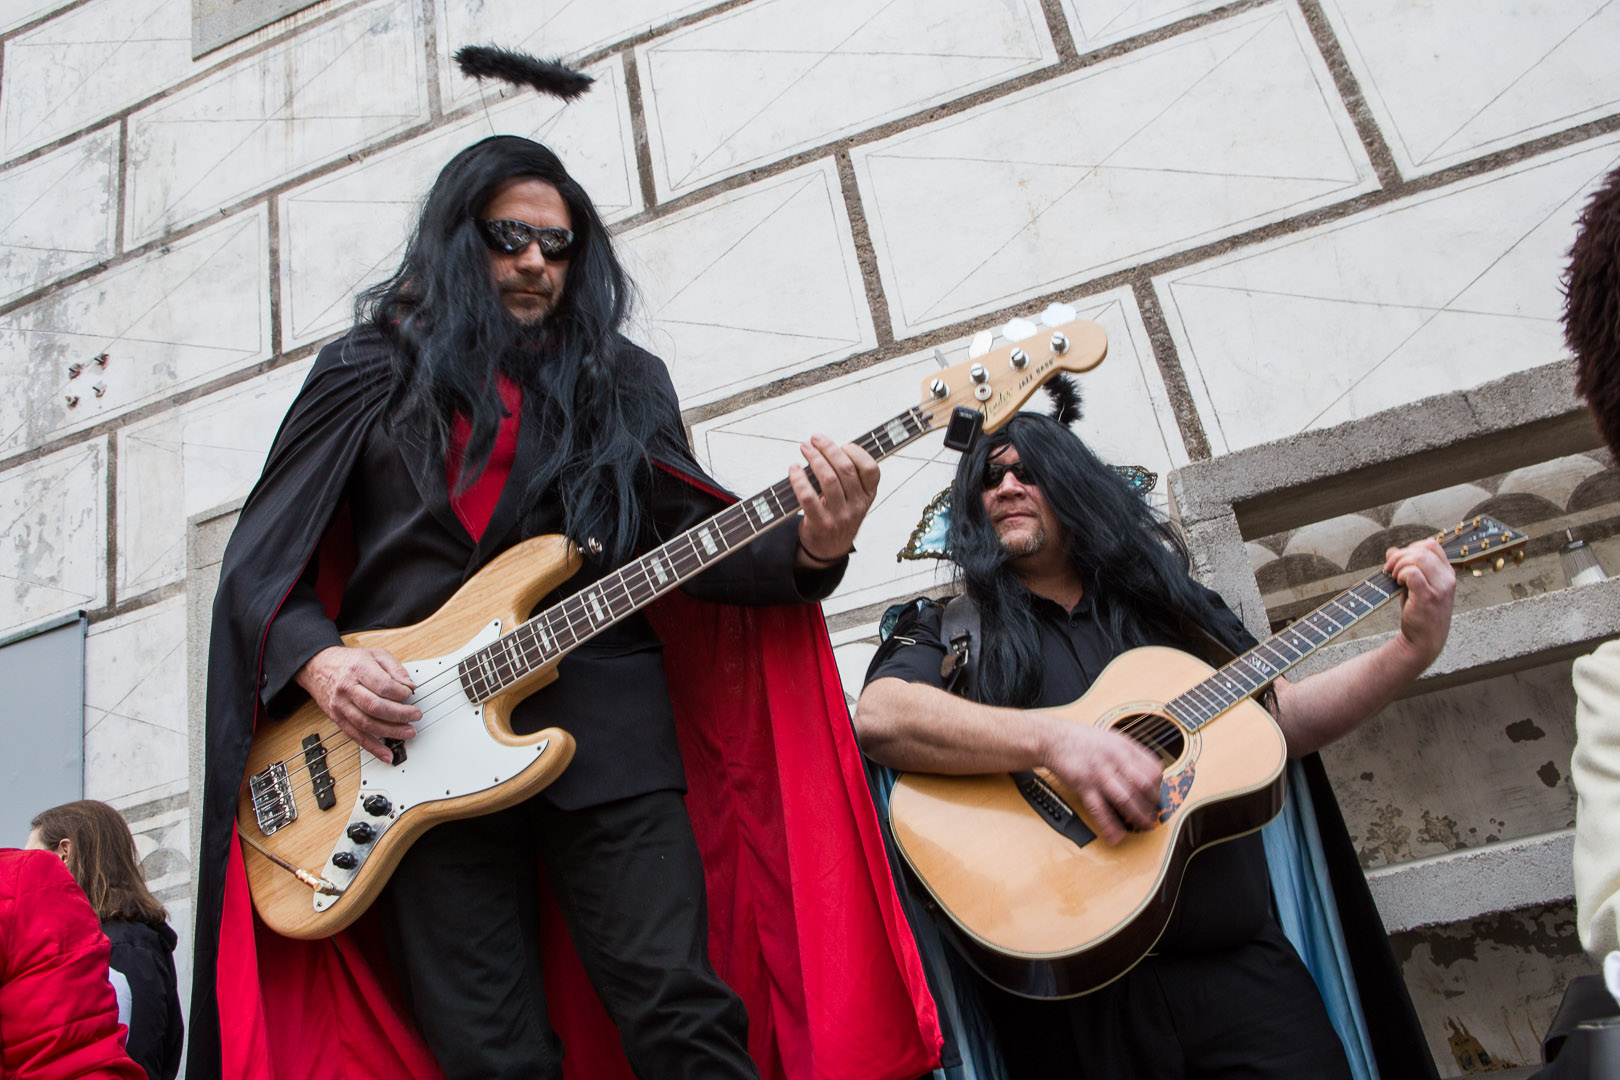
(1132, 564)
(452, 337)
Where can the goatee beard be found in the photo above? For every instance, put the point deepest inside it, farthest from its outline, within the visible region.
(1025, 544)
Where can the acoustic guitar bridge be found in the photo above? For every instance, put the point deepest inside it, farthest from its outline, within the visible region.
(1051, 808)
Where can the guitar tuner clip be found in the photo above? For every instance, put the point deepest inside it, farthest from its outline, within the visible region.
(964, 428)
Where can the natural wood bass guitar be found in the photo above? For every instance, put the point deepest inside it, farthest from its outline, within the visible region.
(323, 823)
(1021, 884)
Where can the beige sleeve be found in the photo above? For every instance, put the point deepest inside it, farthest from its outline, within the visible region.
(1595, 767)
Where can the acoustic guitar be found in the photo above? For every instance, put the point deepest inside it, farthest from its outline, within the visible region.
(323, 822)
(1020, 883)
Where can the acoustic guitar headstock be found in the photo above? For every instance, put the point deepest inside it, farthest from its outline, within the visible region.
(1482, 540)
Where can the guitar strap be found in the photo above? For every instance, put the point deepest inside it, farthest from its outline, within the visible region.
(958, 629)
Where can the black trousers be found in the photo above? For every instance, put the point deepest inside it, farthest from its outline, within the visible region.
(463, 929)
(1251, 1012)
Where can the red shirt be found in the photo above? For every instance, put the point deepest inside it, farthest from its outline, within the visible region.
(475, 505)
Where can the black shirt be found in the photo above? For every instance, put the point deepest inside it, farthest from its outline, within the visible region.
(1226, 896)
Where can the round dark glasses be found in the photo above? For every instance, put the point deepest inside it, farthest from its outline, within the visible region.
(513, 237)
(995, 472)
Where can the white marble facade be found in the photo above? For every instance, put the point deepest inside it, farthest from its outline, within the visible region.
(1094, 24)
(189, 460)
(770, 78)
(165, 322)
(348, 229)
(90, 63)
(135, 705)
(750, 287)
(332, 91)
(1439, 292)
(58, 214)
(15, 13)
(1451, 82)
(53, 517)
(1169, 147)
(562, 28)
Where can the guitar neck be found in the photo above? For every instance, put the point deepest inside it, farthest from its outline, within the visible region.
(552, 634)
(1263, 664)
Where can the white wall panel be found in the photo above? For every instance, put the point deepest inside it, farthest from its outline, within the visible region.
(755, 285)
(335, 89)
(1449, 82)
(167, 321)
(1439, 292)
(768, 79)
(1178, 144)
(186, 461)
(135, 705)
(560, 28)
(58, 213)
(53, 516)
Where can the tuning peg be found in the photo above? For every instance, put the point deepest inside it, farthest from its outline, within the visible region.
(981, 343)
(1019, 330)
(1478, 572)
(1518, 558)
(1057, 315)
(1500, 562)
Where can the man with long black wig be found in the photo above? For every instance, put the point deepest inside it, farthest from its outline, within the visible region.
(487, 395)
(1067, 567)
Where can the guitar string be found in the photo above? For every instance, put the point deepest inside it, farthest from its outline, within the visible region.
(1161, 739)
(913, 424)
(683, 563)
(1161, 733)
(446, 683)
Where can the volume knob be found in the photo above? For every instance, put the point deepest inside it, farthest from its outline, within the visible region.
(376, 805)
(360, 832)
(345, 860)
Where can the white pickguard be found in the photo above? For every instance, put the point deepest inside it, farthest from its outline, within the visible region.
(451, 755)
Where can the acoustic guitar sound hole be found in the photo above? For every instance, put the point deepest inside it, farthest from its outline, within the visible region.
(1159, 734)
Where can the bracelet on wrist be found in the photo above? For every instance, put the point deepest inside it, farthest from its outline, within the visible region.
(817, 558)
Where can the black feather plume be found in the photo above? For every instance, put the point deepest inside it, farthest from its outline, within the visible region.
(1065, 399)
(520, 69)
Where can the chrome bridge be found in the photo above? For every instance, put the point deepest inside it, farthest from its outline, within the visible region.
(273, 805)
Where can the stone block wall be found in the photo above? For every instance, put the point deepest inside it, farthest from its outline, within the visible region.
(1291, 217)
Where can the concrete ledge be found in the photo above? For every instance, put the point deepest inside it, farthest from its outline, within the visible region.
(1503, 637)
(1462, 885)
(1525, 418)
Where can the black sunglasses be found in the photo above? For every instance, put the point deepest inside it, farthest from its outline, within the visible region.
(513, 237)
(995, 472)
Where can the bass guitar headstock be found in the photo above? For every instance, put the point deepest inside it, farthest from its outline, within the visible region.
(998, 383)
(1482, 540)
